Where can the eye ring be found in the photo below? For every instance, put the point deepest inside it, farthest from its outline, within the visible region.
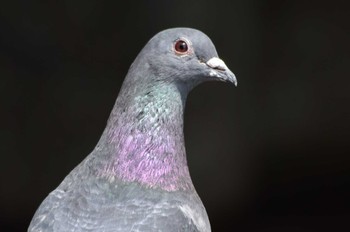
(181, 47)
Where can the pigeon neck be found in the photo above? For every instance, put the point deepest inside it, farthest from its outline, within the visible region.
(145, 137)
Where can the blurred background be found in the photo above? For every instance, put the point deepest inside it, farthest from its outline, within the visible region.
(272, 154)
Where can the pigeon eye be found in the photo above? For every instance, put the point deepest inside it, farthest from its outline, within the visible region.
(181, 47)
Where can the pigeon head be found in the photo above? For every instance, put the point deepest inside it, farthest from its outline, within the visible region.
(184, 56)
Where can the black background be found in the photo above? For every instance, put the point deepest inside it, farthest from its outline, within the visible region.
(269, 155)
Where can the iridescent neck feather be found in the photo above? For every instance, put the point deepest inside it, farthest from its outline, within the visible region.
(144, 139)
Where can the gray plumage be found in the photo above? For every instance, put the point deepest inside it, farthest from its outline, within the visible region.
(137, 178)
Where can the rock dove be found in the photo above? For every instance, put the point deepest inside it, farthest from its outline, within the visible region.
(137, 177)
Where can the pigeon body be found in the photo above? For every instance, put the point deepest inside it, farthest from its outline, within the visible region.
(137, 178)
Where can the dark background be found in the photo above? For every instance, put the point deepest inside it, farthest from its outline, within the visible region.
(269, 155)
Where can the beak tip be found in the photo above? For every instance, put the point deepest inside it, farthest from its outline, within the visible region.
(232, 78)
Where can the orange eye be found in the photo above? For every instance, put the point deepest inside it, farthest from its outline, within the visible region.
(181, 47)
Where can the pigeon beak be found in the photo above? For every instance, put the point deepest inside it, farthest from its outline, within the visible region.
(221, 71)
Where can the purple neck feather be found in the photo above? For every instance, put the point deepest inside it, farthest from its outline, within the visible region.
(143, 141)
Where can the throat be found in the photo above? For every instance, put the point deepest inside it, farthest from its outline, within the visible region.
(145, 142)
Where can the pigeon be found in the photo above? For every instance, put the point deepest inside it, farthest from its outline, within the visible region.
(137, 177)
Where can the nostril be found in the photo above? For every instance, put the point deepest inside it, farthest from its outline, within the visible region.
(219, 68)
